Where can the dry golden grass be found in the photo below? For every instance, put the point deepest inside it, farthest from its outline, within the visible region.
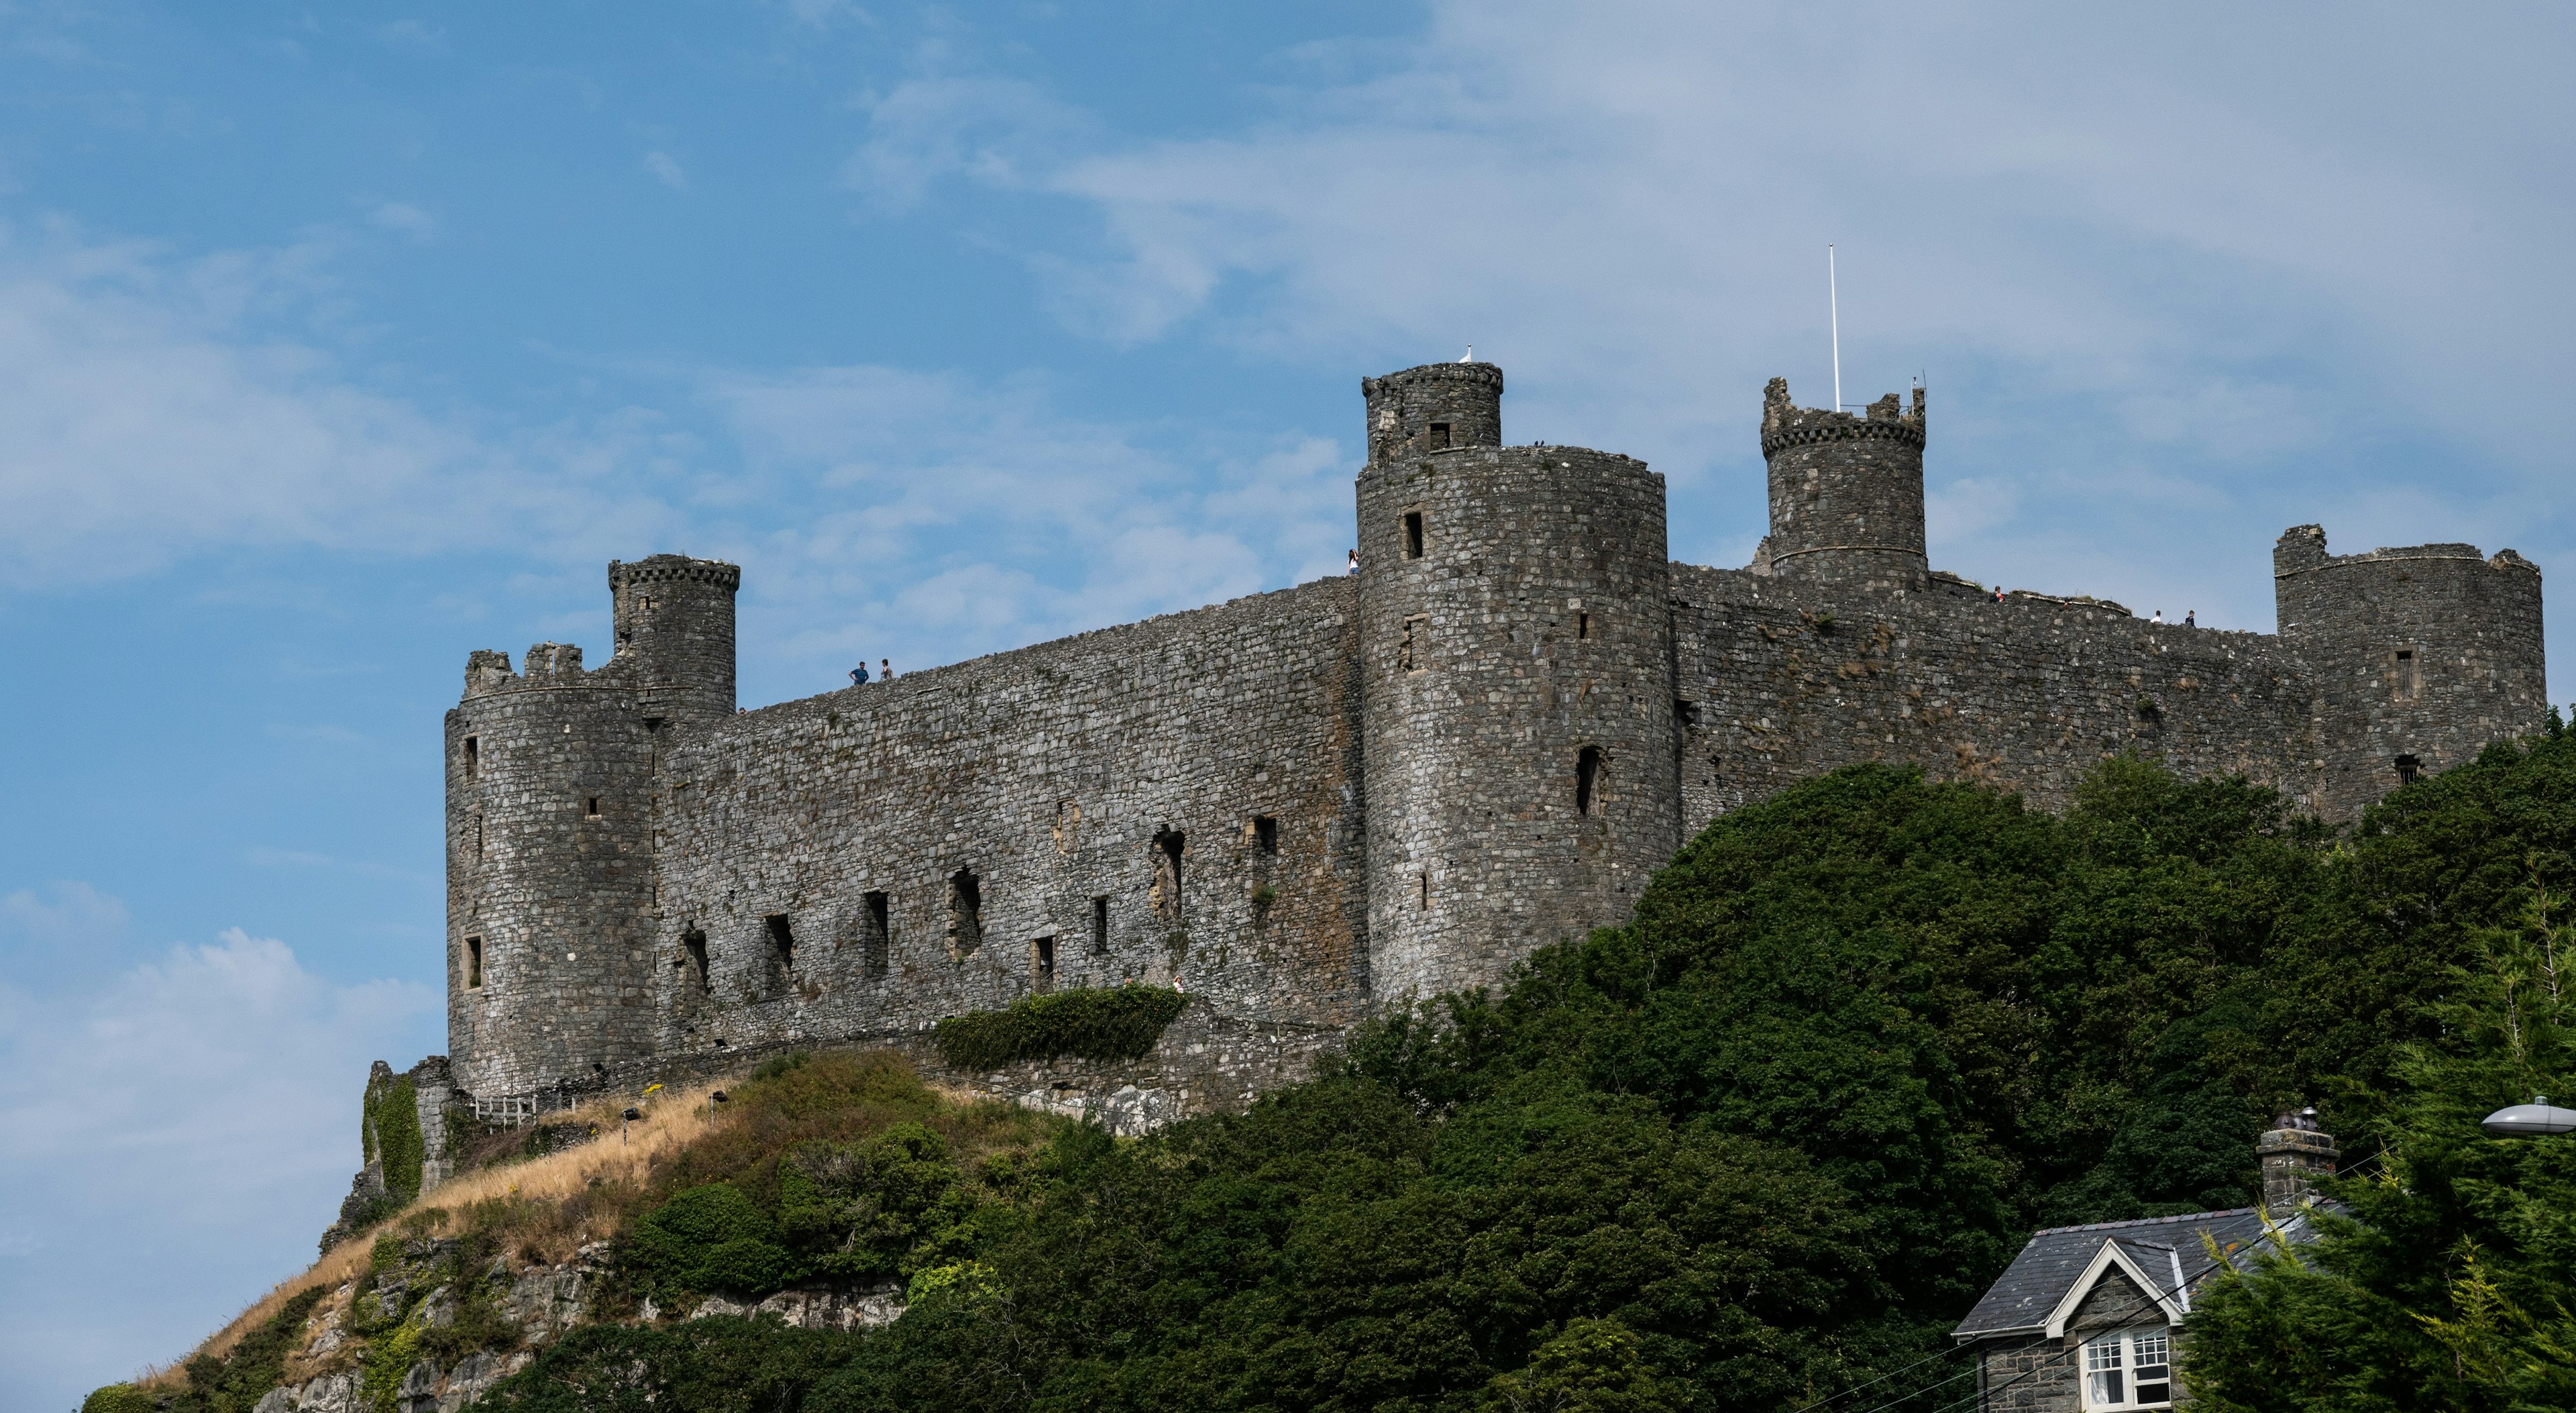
(545, 1208)
(673, 1119)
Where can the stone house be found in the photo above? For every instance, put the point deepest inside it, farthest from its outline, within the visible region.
(2096, 1318)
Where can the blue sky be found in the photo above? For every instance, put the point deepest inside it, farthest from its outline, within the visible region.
(337, 342)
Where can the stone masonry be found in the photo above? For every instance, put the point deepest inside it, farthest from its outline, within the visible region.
(1306, 805)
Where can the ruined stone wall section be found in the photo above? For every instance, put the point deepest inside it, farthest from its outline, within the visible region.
(2422, 655)
(1520, 736)
(2024, 694)
(1066, 780)
(549, 872)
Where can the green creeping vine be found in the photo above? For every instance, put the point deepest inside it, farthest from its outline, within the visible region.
(392, 1132)
(1091, 1023)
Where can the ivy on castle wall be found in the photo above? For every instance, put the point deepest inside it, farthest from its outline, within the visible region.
(1090, 1023)
(392, 1133)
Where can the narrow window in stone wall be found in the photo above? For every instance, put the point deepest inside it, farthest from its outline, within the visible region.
(1265, 833)
(1413, 650)
(1100, 925)
(590, 807)
(1587, 777)
(1167, 874)
(1042, 961)
(1422, 883)
(473, 963)
(2409, 770)
(473, 756)
(1439, 435)
(965, 912)
(2408, 678)
(693, 944)
(1413, 534)
(782, 940)
(478, 836)
(876, 935)
(1582, 625)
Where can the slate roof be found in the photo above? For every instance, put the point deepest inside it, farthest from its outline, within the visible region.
(2022, 1298)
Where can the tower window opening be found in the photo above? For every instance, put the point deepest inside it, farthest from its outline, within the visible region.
(965, 912)
(1042, 961)
(478, 836)
(1168, 847)
(1265, 833)
(2409, 770)
(590, 807)
(1587, 777)
(473, 756)
(1412, 650)
(1100, 926)
(1413, 534)
(473, 963)
(1582, 626)
(876, 935)
(2409, 676)
(782, 940)
(693, 946)
(1422, 891)
(1439, 435)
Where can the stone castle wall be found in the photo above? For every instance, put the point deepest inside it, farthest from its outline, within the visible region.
(1780, 680)
(1305, 805)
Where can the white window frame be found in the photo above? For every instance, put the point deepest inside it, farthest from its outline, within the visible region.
(2122, 1348)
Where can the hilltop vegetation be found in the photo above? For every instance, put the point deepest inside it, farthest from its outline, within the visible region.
(1761, 1146)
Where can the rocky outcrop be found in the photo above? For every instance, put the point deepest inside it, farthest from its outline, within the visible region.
(819, 1307)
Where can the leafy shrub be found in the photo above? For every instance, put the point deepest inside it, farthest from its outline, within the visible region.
(236, 1382)
(711, 1238)
(1091, 1023)
(880, 1207)
(777, 1065)
(719, 1365)
(119, 1398)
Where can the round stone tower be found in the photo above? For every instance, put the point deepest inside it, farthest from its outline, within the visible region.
(1846, 493)
(1516, 660)
(674, 619)
(2422, 655)
(550, 870)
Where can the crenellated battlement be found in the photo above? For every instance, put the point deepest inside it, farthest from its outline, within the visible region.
(1785, 424)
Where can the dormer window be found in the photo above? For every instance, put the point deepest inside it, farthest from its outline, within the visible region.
(2128, 1369)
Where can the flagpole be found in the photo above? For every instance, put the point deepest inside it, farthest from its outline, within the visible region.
(1834, 304)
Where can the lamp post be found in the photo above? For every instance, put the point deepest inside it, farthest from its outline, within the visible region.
(2537, 1119)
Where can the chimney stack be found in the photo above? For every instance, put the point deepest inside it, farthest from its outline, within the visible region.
(2294, 1152)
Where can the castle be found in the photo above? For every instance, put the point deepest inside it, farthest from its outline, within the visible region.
(1306, 804)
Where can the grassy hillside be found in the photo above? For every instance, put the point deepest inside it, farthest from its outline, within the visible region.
(1757, 1149)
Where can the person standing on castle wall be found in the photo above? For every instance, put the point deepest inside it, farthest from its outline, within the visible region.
(885, 669)
(859, 675)
(2191, 618)
(2160, 615)
(1355, 562)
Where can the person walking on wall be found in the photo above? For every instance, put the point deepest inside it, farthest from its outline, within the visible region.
(885, 670)
(2160, 615)
(859, 675)
(1355, 562)
(2191, 618)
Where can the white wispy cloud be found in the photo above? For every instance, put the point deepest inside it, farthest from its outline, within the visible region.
(194, 1116)
(666, 170)
(405, 219)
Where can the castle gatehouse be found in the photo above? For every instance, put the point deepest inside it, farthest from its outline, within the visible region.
(1304, 805)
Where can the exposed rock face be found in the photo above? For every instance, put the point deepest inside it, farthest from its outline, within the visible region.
(820, 1307)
